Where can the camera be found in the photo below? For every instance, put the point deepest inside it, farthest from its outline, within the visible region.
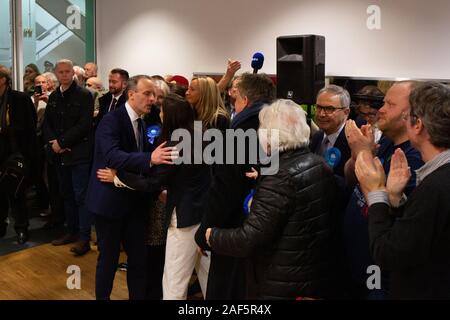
(38, 90)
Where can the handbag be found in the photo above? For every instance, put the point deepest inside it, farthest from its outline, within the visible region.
(12, 175)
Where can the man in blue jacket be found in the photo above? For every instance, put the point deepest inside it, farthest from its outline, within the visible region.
(119, 213)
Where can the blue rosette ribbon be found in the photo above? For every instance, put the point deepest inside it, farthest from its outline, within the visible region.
(333, 157)
(153, 132)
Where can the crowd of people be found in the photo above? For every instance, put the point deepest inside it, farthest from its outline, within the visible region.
(351, 191)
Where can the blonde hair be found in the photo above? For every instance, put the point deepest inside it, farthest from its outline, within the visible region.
(210, 105)
(162, 85)
(289, 119)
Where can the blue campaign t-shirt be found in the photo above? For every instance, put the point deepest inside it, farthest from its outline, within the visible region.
(356, 232)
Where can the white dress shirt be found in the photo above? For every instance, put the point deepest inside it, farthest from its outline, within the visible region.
(333, 137)
(134, 121)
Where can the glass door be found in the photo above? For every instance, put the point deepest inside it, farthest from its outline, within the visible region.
(5, 34)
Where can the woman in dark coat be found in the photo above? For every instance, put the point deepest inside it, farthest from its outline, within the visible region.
(289, 233)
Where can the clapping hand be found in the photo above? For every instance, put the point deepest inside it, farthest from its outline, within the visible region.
(399, 175)
(360, 139)
(370, 173)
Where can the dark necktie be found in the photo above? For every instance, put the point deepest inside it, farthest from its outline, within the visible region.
(140, 135)
(325, 145)
(113, 104)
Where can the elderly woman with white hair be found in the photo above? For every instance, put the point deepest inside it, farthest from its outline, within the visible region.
(290, 231)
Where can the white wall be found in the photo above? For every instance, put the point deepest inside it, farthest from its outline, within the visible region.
(186, 36)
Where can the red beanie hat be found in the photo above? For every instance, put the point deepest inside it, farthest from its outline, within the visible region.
(180, 80)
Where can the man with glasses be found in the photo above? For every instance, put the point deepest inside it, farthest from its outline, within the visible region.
(412, 241)
(392, 121)
(368, 101)
(332, 110)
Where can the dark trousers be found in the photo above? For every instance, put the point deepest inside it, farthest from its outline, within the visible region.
(42, 192)
(73, 183)
(130, 231)
(155, 270)
(19, 211)
(56, 199)
(227, 279)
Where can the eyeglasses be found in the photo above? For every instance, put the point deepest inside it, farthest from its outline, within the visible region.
(328, 109)
(368, 114)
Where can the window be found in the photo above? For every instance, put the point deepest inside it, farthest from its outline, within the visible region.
(53, 30)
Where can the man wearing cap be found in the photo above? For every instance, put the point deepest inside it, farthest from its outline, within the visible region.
(179, 80)
(368, 101)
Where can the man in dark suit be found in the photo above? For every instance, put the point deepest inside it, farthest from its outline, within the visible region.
(120, 213)
(69, 137)
(116, 96)
(332, 110)
(17, 136)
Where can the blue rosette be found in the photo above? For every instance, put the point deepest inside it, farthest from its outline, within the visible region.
(333, 157)
(153, 132)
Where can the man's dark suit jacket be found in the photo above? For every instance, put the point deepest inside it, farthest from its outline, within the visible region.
(105, 102)
(115, 147)
(341, 143)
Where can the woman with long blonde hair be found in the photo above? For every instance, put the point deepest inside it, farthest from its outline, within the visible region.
(204, 96)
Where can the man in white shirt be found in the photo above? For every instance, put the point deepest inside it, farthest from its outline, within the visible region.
(120, 213)
(114, 98)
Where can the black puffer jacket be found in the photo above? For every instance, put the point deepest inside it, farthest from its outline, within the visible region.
(290, 232)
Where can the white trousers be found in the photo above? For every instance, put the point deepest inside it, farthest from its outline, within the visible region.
(182, 257)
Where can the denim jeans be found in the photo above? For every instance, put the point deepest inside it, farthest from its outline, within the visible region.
(73, 182)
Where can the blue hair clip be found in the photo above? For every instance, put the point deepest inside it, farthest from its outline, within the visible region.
(153, 132)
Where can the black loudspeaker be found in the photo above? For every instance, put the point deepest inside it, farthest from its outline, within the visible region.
(300, 67)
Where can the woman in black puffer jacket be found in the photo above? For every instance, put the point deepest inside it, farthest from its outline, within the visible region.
(290, 232)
